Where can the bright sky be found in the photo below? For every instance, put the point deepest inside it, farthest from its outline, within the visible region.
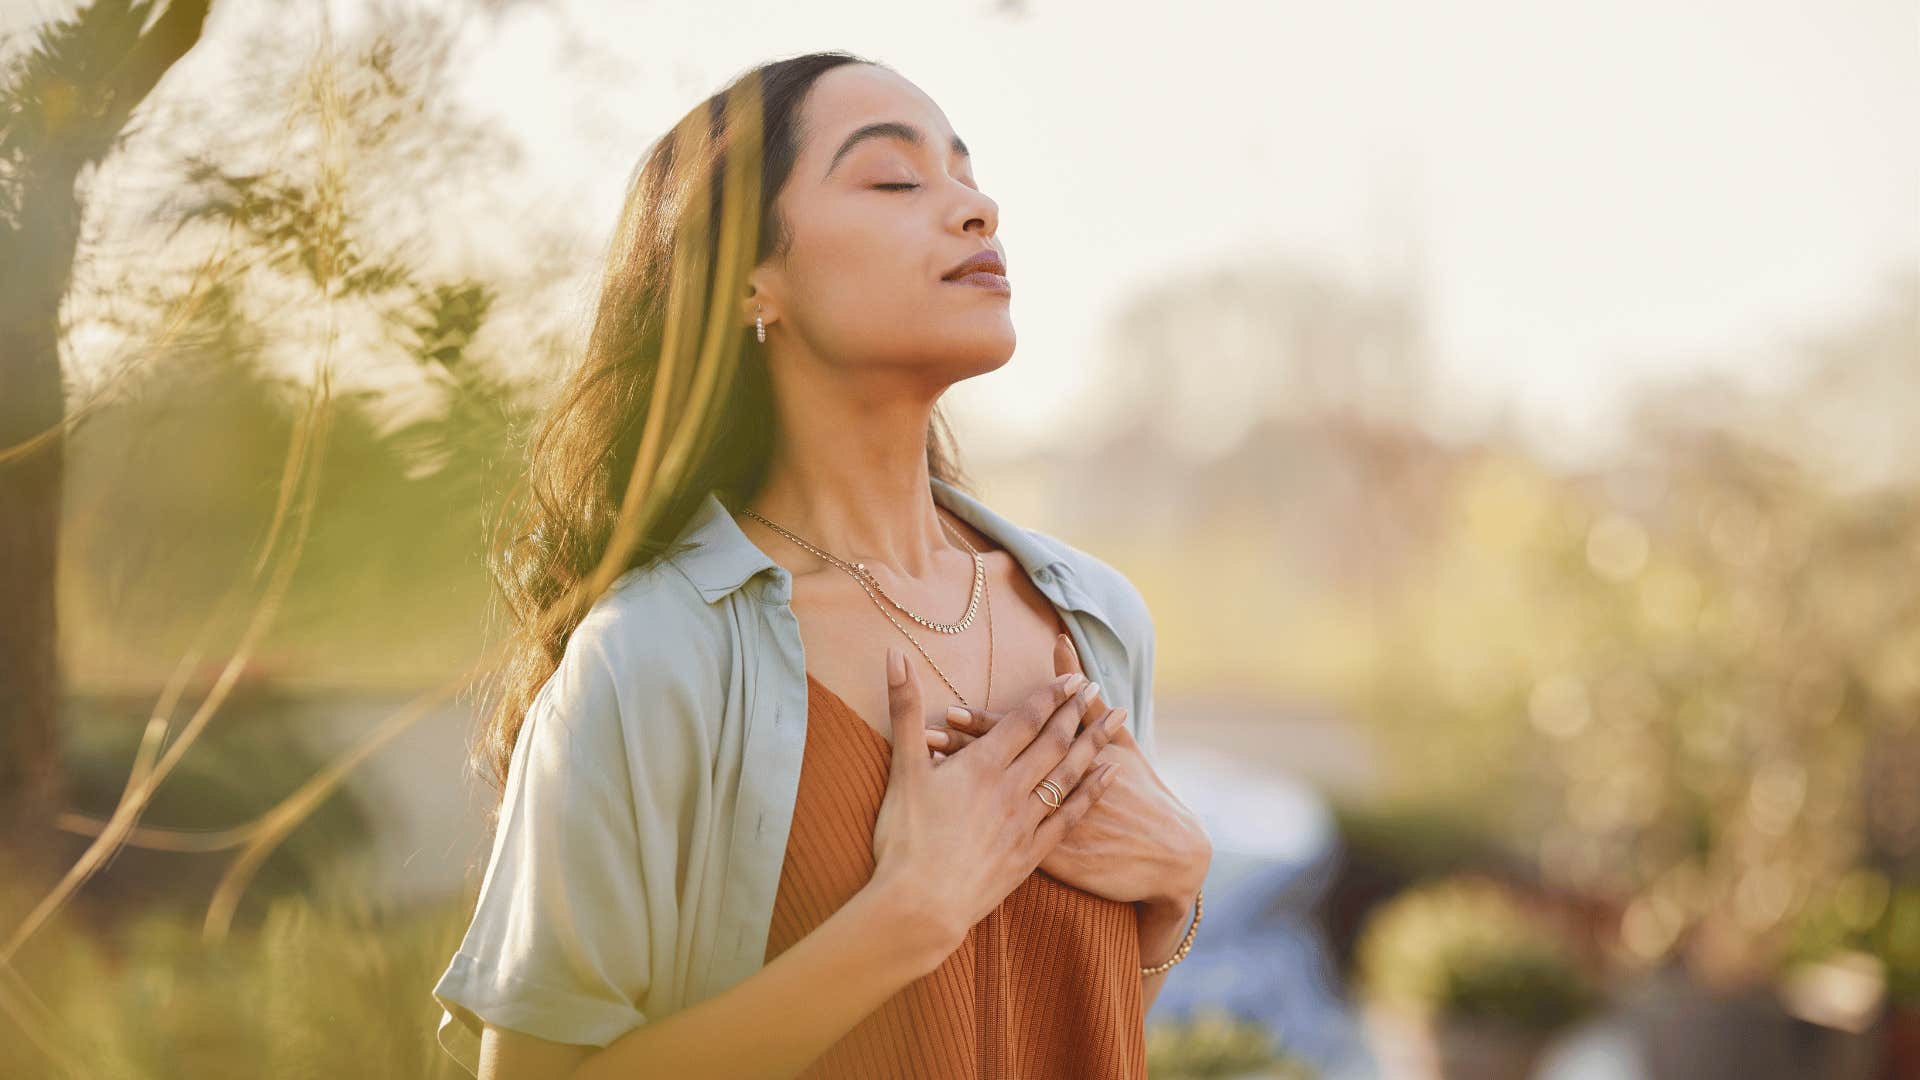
(1589, 197)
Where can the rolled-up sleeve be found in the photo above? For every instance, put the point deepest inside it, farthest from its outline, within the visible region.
(558, 946)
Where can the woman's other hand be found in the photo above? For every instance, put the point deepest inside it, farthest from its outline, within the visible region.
(951, 841)
(1140, 842)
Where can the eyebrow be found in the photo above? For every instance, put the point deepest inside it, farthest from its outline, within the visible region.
(888, 129)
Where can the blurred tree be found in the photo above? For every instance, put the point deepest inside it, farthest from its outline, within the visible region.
(65, 103)
(1686, 682)
(235, 254)
(323, 262)
(1207, 356)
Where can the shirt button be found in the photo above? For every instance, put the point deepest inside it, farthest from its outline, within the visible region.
(1043, 574)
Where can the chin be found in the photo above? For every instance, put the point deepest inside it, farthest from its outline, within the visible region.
(986, 354)
(966, 347)
(994, 362)
(958, 364)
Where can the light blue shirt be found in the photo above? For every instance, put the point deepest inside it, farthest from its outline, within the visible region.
(644, 819)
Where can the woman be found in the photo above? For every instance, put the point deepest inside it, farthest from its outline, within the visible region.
(739, 832)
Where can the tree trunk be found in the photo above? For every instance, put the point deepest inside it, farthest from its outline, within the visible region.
(37, 252)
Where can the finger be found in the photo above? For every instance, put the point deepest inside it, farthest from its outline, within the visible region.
(1056, 736)
(976, 721)
(1097, 710)
(971, 720)
(1057, 824)
(947, 740)
(1025, 721)
(1067, 775)
(903, 709)
(1065, 657)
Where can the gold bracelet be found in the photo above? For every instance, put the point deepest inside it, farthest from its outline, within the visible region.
(1186, 943)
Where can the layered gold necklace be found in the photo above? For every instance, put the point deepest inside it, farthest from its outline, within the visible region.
(870, 585)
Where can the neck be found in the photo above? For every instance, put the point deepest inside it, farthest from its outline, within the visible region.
(849, 475)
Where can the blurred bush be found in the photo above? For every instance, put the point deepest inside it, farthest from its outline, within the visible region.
(1685, 680)
(327, 985)
(237, 770)
(1866, 913)
(1217, 1046)
(1461, 948)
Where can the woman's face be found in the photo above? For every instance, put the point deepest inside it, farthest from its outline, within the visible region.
(876, 218)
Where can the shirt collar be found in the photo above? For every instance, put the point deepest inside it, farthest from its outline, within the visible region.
(720, 558)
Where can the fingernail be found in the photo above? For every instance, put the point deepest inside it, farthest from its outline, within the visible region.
(896, 667)
(1113, 720)
(1088, 691)
(938, 756)
(958, 715)
(1074, 682)
(937, 738)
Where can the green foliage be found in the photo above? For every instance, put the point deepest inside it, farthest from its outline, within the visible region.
(1867, 913)
(391, 586)
(293, 321)
(295, 227)
(297, 329)
(1464, 948)
(1217, 1045)
(322, 988)
(244, 764)
(1418, 840)
(54, 91)
(1686, 687)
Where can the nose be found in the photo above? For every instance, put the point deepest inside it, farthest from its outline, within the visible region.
(976, 208)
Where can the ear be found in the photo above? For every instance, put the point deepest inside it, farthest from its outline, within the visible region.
(762, 297)
(755, 305)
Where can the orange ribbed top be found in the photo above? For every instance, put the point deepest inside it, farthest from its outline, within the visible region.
(1047, 985)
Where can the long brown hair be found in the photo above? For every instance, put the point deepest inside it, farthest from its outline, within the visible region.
(671, 399)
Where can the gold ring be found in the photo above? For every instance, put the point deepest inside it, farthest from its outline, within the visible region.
(1059, 796)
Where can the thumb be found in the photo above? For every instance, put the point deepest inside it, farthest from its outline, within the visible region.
(1065, 657)
(904, 715)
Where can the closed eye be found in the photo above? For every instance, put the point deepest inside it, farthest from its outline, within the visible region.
(895, 187)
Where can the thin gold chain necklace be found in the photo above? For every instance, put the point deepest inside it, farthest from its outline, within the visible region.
(860, 572)
(869, 585)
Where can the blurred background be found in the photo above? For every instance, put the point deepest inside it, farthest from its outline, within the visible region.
(1511, 413)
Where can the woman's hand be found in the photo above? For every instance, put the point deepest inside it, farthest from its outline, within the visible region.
(1139, 842)
(952, 840)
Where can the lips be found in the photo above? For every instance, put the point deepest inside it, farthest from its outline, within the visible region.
(987, 261)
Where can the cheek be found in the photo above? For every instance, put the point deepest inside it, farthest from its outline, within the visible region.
(874, 258)
(862, 272)
(877, 245)
(864, 286)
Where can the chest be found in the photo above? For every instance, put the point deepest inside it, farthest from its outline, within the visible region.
(846, 633)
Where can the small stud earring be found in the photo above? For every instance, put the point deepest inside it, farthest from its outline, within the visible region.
(759, 329)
